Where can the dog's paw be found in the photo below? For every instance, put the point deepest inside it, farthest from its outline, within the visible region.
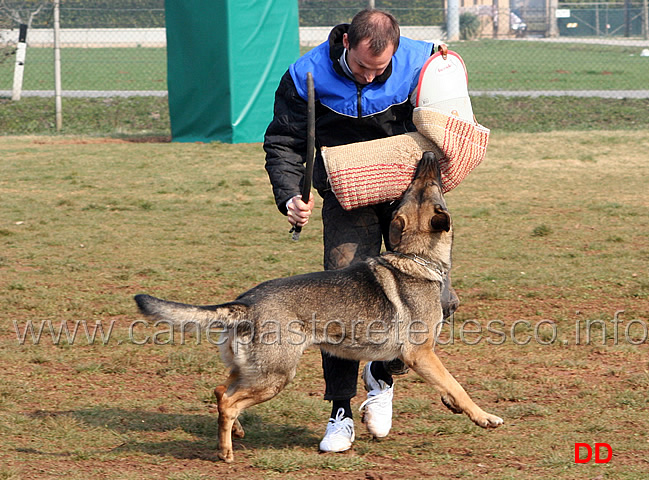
(227, 455)
(450, 404)
(487, 420)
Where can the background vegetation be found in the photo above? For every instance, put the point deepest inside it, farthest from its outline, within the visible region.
(150, 13)
(95, 13)
(332, 12)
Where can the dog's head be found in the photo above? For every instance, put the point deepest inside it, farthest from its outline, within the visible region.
(422, 220)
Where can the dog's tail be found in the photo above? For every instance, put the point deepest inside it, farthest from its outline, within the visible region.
(227, 314)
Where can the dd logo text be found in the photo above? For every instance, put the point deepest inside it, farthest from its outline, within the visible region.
(589, 449)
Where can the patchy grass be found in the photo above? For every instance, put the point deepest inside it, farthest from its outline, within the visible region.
(117, 117)
(145, 117)
(549, 335)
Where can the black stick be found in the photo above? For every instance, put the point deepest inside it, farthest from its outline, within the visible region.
(310, 148)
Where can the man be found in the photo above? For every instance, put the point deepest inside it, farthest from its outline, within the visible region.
(363, 76)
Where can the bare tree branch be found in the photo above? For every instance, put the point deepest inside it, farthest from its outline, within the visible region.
(12, 13)
(18, 14)
(36, 12)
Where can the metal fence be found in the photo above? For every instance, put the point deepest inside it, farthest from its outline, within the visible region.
(550, 48)
(105, 51)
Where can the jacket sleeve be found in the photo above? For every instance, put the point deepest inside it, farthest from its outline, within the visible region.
(285, 143)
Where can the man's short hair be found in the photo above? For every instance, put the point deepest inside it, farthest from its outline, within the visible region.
(381, 28)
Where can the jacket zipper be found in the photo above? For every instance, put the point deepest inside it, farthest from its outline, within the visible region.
(359, 94)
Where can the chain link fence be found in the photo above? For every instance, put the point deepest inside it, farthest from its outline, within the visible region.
(108, 48)
(117, 47)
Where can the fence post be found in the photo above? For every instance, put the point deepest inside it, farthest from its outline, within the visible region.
(627, 18)
(19, 68)
(453, 21)
(645, 20)
(553, 26)
(57, 65)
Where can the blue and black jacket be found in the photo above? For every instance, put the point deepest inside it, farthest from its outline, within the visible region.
(346, 112)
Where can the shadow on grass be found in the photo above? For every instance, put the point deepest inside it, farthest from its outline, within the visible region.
(260, 434)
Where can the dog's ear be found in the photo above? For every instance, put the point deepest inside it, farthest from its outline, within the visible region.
(396, 229)
(441, 221)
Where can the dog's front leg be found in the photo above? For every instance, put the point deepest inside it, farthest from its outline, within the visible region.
(424, 361)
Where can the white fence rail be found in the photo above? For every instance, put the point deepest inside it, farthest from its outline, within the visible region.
(312, 36)
(91, 37)
(156, 37)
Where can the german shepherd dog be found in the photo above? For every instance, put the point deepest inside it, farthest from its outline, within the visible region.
(383, 308)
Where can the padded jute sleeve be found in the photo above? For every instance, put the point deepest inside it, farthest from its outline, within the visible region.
(377, 171)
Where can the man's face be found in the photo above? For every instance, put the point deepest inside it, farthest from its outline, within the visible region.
(363, 63)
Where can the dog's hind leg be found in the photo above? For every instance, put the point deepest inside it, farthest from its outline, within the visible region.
(237, 429)
(430, 368)
(230, 406)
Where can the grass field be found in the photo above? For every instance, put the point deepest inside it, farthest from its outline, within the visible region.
(515, 65)
(92, 69)
(492, 65)
(550, 235)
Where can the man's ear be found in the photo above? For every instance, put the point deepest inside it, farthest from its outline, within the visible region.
(396, 230)
(345, 41)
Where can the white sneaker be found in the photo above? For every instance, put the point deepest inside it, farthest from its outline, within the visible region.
(377, 409)
(339, 434)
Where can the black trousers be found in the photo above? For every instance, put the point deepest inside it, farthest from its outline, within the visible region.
(352, 236)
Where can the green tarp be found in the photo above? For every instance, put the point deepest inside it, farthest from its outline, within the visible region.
(224, 61)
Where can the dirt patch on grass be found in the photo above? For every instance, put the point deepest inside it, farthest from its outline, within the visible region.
(99, 141)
